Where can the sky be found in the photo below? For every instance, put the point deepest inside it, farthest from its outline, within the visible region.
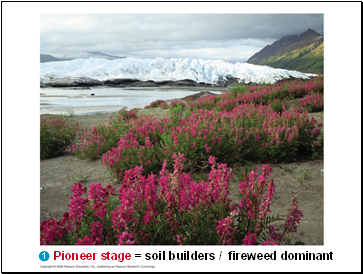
(227, 37)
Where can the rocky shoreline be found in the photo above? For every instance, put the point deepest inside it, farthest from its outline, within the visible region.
(123, 83)
(80, 82)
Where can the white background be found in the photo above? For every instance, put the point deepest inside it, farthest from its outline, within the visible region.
(20, 144)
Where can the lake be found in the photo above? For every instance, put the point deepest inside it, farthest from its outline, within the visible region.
(106, 99)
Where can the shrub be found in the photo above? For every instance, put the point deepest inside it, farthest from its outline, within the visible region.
(190, 99)
(55, 136)
(100, 139)
(176, 103)
(127, 114)
(128, 154)
(182, 212)
(239, 89)
(277, 105)
(164, 105)
(206, 103)
(155, 104)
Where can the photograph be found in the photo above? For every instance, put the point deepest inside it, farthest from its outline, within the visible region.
(181, 136)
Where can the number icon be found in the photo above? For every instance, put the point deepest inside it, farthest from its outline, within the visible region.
(44, 256)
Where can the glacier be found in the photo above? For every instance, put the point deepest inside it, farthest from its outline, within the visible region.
(159, 69)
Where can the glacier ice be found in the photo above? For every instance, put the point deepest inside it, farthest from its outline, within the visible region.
(159, 69)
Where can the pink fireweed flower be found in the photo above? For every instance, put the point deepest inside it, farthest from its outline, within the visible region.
(96, 232)
(219, 179)
(98, 197)
(175, 140)
(275, 236)
(312, 121)
(226, 231)
(66, 222)
(180, 239)
(125, 239)
(207, 149)
(250, 239)
(96, 235)
(252, 192)
(294, 217)
(149, 216)
(77, 204)
(124, 213)
(266, 204)
(51, 232)
(85, 241)
(212, 159)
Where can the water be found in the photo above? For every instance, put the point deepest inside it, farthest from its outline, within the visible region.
(105, 99)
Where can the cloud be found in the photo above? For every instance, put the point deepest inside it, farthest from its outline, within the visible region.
(230, 37)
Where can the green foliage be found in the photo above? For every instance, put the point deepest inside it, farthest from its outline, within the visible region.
(175, 114)
(305, 175)
(239, 89)
(80, 178)
(102, 139)
(55, 136)
(187, 112)
(287, 169)
(147, 157)
(277, 105)
(155, 104)
(314, 152)
(307, 58)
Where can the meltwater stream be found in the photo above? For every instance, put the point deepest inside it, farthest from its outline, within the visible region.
(105, 99)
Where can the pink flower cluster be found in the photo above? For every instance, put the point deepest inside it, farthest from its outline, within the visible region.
(54, 232)
(144, 201)
(226, 230)
(99, 197)
(164, 105)
(213, 133)
(177, 190)
(261, 94)
(77, 205)
(95, 237)
(175, 103)
(313, 103)
(127, 115)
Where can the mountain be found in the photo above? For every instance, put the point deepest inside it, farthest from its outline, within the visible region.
(90, 54)
(48, 58)
(98, 54)
(159, 70)
(304, 52)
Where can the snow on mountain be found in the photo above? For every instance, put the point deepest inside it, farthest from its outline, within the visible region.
(206, 71)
